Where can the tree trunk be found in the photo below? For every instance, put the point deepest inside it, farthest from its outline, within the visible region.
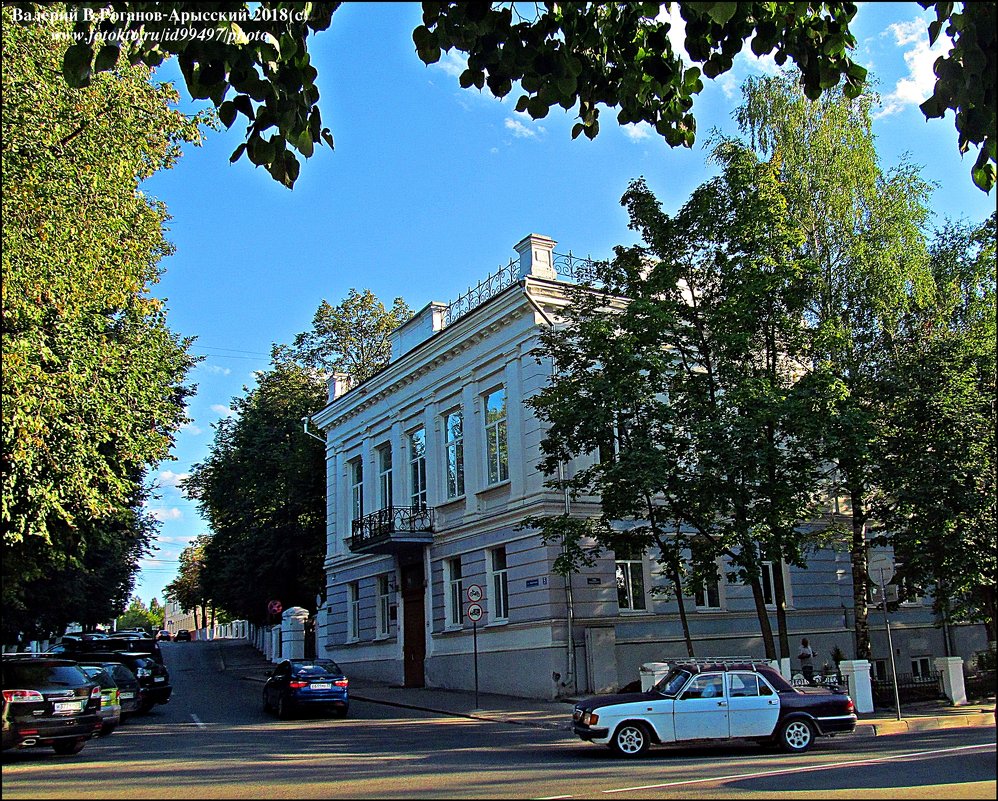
(763, 614)
(196, 626)
(780, 591)
(677, 583)
(864, 649)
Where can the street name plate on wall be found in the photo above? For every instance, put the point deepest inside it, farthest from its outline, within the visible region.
(594, 580)
(533, 582)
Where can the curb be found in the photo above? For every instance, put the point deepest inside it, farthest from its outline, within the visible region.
(881, 728)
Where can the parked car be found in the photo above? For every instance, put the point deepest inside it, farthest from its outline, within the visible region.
(183, 635)
(129, 690)
(153, 678)
(110, 706)
(297, 684)
(163, 635)
(130, 643)
(48, 702)
(716, 700)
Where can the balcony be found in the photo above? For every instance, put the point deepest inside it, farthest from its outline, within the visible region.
(395, 530)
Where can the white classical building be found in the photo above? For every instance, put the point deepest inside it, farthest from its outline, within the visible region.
(432, 466)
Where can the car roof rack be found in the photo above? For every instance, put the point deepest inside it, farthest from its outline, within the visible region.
(701, 662)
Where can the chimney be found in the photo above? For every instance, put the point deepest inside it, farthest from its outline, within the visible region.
(536, 256)
(338, 384)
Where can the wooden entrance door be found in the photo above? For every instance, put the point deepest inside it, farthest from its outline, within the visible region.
(413, 624)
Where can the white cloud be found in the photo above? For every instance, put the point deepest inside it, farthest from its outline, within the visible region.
(214, 368)
(191, 428)
(452, 62)
(521, 131)
(637, 132)
(167, 478)
(917, 85)
(173, 513)
(222, 410)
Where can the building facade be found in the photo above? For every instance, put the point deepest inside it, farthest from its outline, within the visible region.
(431, 468)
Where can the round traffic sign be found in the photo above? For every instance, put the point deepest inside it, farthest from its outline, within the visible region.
(880, 568)
(274, 607)
(475, 612)
(475, 593)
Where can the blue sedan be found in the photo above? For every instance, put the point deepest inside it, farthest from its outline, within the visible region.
(298, 684)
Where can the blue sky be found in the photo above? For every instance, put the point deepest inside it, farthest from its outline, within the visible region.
(429, 188)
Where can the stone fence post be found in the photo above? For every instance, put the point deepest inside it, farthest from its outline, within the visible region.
(951, 668)
(293, 633)
(856, 672)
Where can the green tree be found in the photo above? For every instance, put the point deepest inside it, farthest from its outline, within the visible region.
(570, 54)
(269, 541)
(136, 616)
(862, 239)
(350, 338)
(156, 614)
(189, 589)
(937, 459)
(93, 390)
(681, 373)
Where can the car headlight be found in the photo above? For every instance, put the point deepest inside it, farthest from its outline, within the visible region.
(590, 718)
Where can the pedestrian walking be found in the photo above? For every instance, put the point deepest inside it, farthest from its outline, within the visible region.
(806, 657)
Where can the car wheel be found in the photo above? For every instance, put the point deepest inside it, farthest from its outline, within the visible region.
(796, 736)
(266, 706)
(631, 739)
(106, 730)
(283, 708)
(68, 747)
(342, 713)
(146, 707)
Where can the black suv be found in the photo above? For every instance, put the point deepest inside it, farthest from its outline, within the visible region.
(132, 643)
(48, 701)
(154, 678)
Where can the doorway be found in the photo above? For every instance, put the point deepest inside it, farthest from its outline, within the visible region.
(413, 624)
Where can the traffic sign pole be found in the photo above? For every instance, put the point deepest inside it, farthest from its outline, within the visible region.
(890, 644)
(474, 637)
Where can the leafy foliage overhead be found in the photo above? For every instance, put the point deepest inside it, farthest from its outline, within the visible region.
(93, 379)
(583, 55)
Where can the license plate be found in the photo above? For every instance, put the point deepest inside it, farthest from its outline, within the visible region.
(160, 678)
(67, 706)
(126, 696)
(321, 686)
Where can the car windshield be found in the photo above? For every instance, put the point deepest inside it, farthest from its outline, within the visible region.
(99, 675)
(673, 682)
(316, 669)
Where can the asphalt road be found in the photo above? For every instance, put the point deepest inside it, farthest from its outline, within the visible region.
(213, 740)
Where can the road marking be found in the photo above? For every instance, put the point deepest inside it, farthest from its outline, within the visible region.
(197, 721)
(801, 770)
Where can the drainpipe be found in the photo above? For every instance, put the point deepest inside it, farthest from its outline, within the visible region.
(569, 599)
(304, 422)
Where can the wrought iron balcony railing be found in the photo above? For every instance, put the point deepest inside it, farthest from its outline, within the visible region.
(392, 529)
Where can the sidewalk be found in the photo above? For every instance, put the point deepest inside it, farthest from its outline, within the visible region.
(240, 658)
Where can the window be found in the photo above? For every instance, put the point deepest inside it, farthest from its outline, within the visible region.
(417, 468)
(356, 488)
(708, 685)
(385, 476)
(743, 685)
(495, 436)
(499, 584)
(709, 595)
(384, 606)
(353, 611)
(454, 435)
(768, 584)
(879, 671)
(455, 593)
(630, 581)
(921, 667)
